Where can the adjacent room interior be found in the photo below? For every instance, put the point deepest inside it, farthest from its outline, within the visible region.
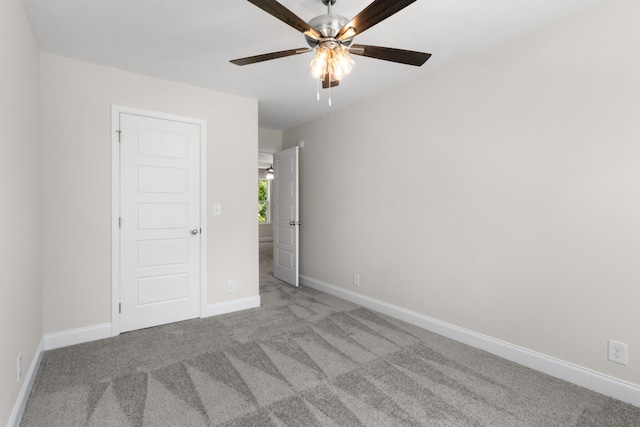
(490, 198)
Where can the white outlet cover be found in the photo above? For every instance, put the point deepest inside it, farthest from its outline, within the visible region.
(618, 352)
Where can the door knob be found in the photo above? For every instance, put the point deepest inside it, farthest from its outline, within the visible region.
(194, 231)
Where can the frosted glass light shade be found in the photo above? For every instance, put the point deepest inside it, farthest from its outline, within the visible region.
(334, 62)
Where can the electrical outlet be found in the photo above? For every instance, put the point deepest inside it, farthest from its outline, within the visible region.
(356, 280)
(19, 367)
(618, 352)
(231, 286)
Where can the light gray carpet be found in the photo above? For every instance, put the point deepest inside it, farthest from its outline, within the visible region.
(302, 359)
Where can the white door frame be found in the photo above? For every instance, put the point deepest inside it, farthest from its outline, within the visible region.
(116, 110)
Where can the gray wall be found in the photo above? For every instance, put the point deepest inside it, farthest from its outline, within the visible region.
(20, 209)
(499, 194)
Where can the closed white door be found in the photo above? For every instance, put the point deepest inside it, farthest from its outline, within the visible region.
(160, 221)
(287, 223)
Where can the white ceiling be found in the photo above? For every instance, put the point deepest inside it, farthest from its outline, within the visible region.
(192, 41)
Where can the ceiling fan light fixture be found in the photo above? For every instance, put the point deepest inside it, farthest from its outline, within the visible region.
(319, 62)
(332, 61)
(331, 36)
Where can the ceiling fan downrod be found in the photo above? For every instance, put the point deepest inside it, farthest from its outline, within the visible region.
(328, 3)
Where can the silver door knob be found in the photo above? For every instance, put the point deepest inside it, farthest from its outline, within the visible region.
(194, 231)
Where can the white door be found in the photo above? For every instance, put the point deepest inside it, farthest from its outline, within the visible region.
(160, 221)
(287, 223)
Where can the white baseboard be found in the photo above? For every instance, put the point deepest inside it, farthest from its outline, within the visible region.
(77, 336)
(583, 377)
(98, 332)
(231, 306)
(25, 390)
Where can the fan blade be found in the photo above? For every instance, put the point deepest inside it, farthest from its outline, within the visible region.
(376, 12)
(327, 83)
(402, 56)
(277, 10)
(268, 56)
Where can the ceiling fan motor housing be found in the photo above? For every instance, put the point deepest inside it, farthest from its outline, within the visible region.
(328, 25)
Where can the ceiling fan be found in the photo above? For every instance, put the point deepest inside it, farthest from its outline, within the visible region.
(331, 36)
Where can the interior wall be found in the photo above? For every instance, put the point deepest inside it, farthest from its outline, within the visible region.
(20, 254)
(76, 120)
(499, 194)
(268, 141)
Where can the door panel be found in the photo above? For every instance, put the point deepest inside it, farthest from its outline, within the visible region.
(162, 180)
(160, 205)
(286, 224)
(152, 216)
(156, 253)
(162, 144)
(162, 289)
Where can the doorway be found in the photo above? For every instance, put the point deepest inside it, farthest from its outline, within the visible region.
(265, 228)
(158, 232)
(283, 210)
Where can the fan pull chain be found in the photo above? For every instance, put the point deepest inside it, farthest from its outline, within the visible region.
(329, 92)
(318, 90)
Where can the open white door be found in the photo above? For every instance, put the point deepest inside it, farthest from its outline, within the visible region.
(286, 224)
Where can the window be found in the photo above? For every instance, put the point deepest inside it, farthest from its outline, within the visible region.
(264, 199)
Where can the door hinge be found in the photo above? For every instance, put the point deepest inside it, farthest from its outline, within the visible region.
(119, 307)
(119, 132)
(120, 222)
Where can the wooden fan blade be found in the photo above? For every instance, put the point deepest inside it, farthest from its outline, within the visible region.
(277, 10)
(402, 56)
(267, 56)
(327, 83)
(376, 12)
